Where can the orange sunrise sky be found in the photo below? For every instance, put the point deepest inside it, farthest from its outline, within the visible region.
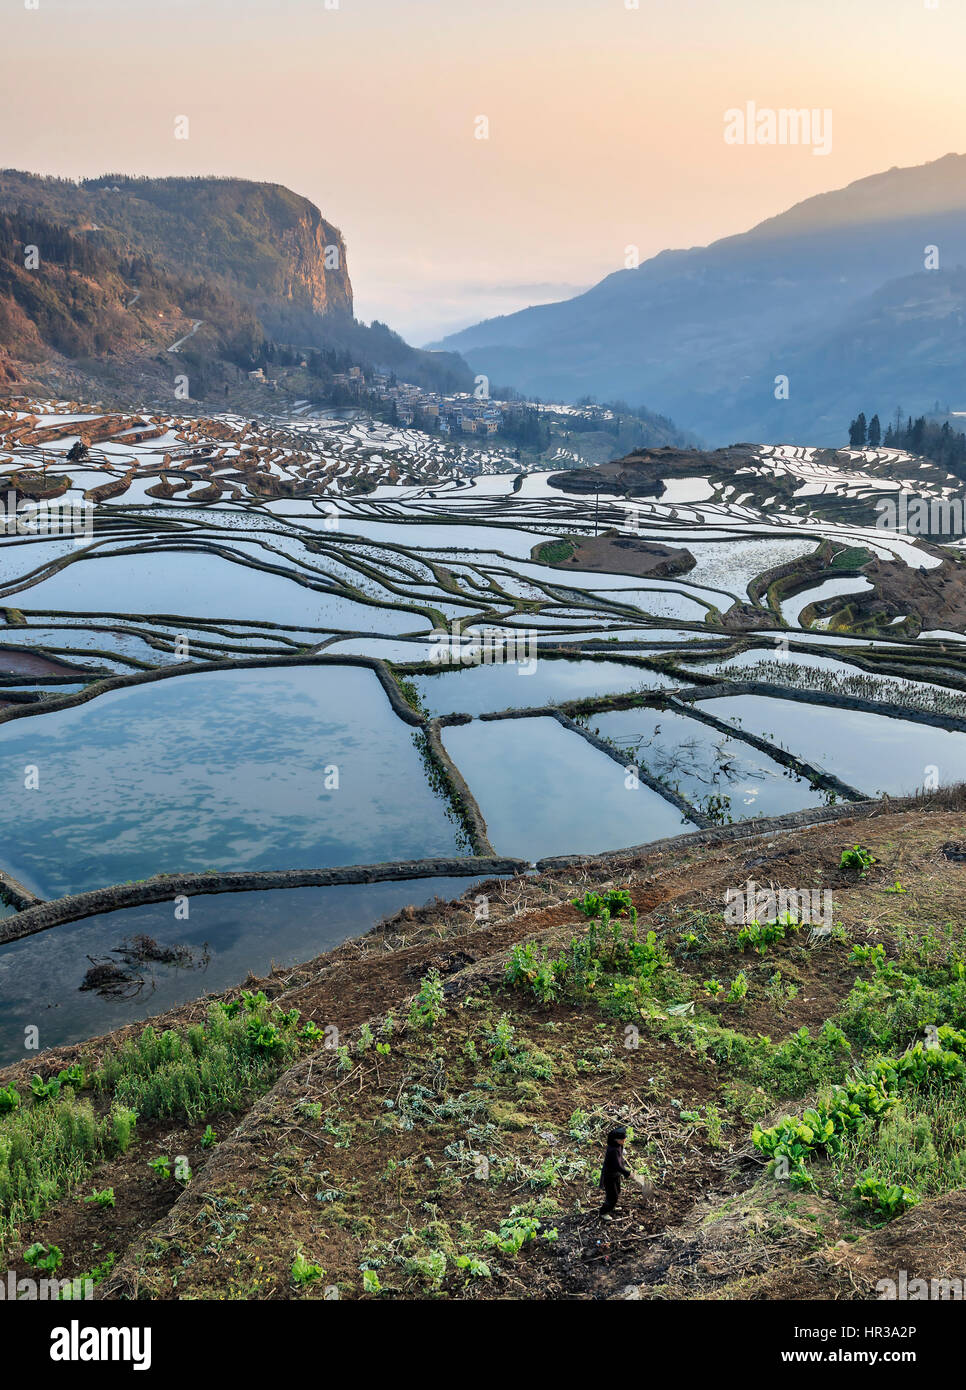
(606, 122)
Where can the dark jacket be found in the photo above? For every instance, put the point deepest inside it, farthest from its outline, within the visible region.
(615, 1167)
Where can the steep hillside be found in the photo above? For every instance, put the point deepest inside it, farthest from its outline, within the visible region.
(903, 344)
(132, 279)
(446, 1141)
(269, 244)
(702, 333)
(84, 300)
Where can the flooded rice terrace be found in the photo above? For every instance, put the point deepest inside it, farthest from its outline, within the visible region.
(313, 643)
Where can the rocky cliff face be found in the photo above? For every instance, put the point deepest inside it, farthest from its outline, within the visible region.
(261, 242)
(314, 263)
(130, 277)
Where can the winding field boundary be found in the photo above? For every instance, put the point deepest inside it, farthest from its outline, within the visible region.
(165, 887)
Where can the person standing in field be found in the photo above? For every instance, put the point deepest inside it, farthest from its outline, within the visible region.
(615, 1169)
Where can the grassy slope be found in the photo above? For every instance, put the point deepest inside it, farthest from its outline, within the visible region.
(364, 1159)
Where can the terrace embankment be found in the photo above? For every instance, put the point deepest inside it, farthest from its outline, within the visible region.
(612, 553)
(445, 1139)
(904, 597)
(643, 474)
(936, 597)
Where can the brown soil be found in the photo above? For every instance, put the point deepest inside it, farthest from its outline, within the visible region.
(641, 474)
(23, 663)
(936, 597)
(324, 1164)
(799, 1248)
(611, 553)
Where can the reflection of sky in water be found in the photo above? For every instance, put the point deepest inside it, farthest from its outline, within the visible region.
(199, 585)
(792, 608)
(492, 686)
(870, 752)
(701, 763)
(544, 790)
(221, 770)
(40, 976)
(420, 535)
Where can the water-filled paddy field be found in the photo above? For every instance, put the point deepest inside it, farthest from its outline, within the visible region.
(282, 766)
(224, 936)
(303, 767)
(544, 790)
(527, 684)
(879, 755)
(713, 771)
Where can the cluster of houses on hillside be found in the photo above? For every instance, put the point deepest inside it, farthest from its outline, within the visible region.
(428, 410)
(460, 414)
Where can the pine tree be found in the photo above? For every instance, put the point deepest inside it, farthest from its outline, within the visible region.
(857, 431)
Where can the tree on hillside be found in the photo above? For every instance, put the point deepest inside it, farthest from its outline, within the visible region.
(942, 444)
(857, 431)
(875, 432)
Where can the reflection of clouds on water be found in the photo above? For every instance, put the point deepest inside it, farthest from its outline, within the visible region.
(874, 753)
(700, 762)
(545, 790)
(219, 770)
(186, 774)
(40, 976)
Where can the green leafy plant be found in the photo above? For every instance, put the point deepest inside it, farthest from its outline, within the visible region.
(884, 1200)
(500, 1039)
(858, 859)
(304, 1272)
(265, 1037)
(529, 965)
(9, 1099)
(547, 1175)
(614, 902)
(873, 956)
(430, 1267)
(739, 988)
(44, 1090)
(427, 1008)
(515, 1231)
(104, 1198)
(761, 935)
(48, 1258)
(72, 1076)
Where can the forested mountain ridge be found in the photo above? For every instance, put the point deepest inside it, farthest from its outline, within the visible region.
(855, 294)
(259, 238)
(100, 279)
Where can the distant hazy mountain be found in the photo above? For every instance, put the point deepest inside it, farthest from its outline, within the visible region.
(99, 278)
(834, 294)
